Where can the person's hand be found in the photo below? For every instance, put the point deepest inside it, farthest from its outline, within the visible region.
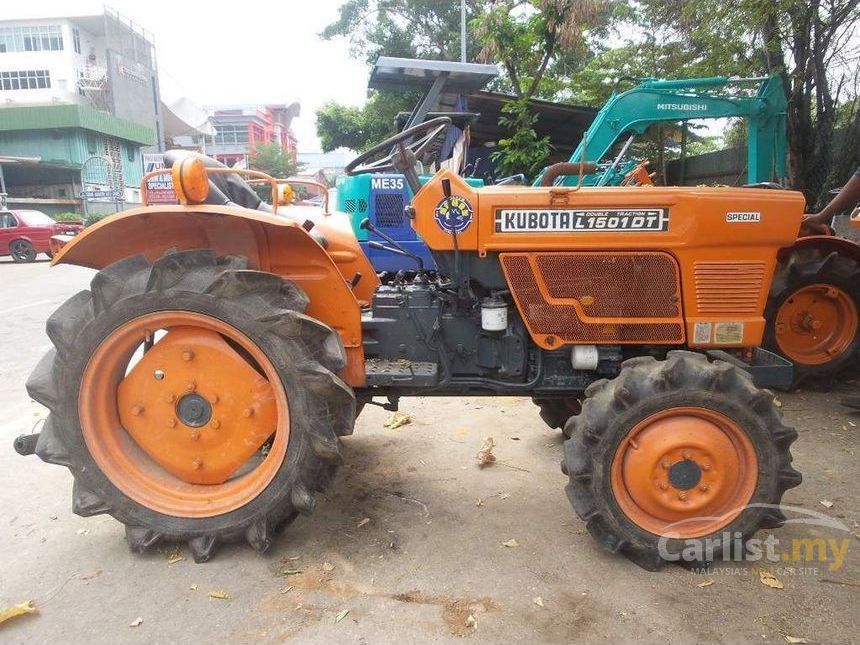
(815, 225)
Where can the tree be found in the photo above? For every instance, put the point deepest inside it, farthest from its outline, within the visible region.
(535, 41)
(401, 28)
(404, 28)
(358, 128)
(273, 160)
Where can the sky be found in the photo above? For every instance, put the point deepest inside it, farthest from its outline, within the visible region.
(254, 52)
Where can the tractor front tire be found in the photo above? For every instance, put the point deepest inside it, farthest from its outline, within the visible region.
(677, 450)
(193, 401)
(812, 315)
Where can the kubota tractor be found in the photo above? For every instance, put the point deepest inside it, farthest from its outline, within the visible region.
(199, 389)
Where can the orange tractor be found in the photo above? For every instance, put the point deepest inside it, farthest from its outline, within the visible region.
(199, 389)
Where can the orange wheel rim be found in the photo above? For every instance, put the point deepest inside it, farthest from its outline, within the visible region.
(816, 324)
(181, 430)
(684, 472)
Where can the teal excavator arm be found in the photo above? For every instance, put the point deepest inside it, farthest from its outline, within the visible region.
(653, 101)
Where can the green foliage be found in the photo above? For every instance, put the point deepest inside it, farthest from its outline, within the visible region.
(540, 44)
(404, 28)
(359, 128)
(67, 216)
(273, 160)
(522, 152)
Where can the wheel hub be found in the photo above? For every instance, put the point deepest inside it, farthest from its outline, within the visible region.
(816, 324)
(196, 406)
(193, 410)
(688, 471)
(685, 474)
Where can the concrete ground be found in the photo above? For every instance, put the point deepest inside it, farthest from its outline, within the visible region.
(402, 542)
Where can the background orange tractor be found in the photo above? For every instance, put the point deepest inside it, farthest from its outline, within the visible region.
(199, 389)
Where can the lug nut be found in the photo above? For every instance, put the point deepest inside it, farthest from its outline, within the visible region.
(171, 423)
(137, 410)
(170, 398)
(682, 496)
(664, 486)
(706, 465)
(214, 399)
(686, 455)
(704, 488)
(665, 463)
(187, 355)
(247, 412)
(216, 423)
(195, 435)
(191, 386)
(158, 374)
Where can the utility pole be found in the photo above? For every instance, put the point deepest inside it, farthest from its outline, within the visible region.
(462, 31)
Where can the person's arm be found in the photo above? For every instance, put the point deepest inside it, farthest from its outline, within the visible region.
(847, 197)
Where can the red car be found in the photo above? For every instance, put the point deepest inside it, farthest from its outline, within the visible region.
(25, 234)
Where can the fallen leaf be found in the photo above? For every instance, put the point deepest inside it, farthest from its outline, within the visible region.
(538, 601)
(795, 639)
(327, 566)
(137, 622)
(485, 455)
(777, 403)
(17, 610)
(826, 503)
(706, 583)
(852, 424)
(769, 580)
(472, 622)
(341, 615)
(174, 559)
(193, 587)
(511, 543)
(366, 520)
(219, 595)
(479, 502)
(397, 420)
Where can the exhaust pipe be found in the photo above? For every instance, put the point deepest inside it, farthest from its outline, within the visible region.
(25, 444)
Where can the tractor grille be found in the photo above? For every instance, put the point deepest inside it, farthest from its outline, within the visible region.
(640, 285)
(389, 210)
(729, 287)
(642, 288)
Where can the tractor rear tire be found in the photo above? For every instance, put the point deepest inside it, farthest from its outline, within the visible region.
(271, 343)
(675, 450)
(812, 316)
(556, 412)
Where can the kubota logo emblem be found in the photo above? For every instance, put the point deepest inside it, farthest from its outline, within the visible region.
(454, 214)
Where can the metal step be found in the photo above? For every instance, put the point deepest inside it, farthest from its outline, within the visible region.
(400, 373)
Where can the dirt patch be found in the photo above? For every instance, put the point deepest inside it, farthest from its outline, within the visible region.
(459, 614)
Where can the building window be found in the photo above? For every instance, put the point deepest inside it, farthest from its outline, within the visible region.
(76, 40)
(31, 39)
(129, 152)
(33, 79)
(231, 134)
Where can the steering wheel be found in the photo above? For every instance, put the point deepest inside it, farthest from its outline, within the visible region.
(400, 152)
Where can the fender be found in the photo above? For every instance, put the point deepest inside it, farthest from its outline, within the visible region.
(272, 243)
(828, 243)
